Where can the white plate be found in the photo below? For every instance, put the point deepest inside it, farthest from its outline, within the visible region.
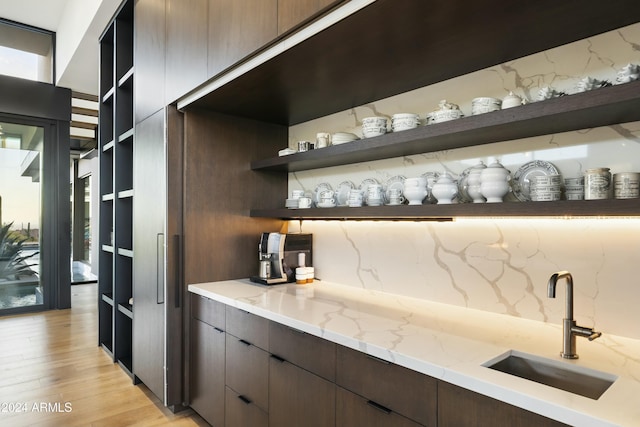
(521, 179)
(364, 186)
(342, 137)
(342, 192)
(321, 187)
(394, 182)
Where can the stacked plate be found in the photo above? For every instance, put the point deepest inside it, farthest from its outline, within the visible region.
(485, 105)
(523, 177)
(404, 121)
(545, 188)
(291, 203)
(342, 137)
(574, 188)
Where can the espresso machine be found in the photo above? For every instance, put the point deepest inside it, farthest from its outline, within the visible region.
(279, 256)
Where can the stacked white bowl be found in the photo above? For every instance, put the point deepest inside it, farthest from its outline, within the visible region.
(404, 121)
(485, 105)
(374, 126)
(574, 188)
(545, 188)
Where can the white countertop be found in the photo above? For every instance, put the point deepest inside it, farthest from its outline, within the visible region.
(449, 343)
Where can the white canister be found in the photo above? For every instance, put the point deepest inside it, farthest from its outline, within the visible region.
(626, 185)
(597, 184)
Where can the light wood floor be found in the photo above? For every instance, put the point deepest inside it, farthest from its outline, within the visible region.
(54, 373)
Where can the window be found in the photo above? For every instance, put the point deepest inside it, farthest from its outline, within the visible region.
(26, 52)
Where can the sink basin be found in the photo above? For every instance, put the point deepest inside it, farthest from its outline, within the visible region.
(561, 375)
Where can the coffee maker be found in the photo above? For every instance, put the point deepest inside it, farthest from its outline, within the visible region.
(278, 256)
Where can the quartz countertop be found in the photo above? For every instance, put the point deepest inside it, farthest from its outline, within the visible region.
(449, 343)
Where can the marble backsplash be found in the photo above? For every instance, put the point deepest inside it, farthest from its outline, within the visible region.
(495, 264)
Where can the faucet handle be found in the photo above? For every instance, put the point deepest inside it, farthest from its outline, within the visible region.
(588, 333)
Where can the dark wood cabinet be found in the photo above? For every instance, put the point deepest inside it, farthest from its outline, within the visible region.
(292, 13)
(207, 371)
(247, 371)
(242, 412)
(186, 46)
(390, 386)
(458, 407)
(237, 29)
(298, 397)
(149, 48)
(157, 277)
(307, 351)
(354, 410)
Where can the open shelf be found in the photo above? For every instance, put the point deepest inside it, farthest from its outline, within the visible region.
(107, 197)
(125, 194)
(126, 309)
(108, 146)
(107, 248)
(389, 47)
(125, 252)
(563, 208)
(127, 78)
(125, 135)
(600, 107)
(108, 298)
(108, 96)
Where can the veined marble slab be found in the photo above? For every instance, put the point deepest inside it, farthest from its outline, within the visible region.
(448, 342)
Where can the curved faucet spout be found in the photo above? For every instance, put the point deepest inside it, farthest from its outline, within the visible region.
(551, 291)
(569, 328)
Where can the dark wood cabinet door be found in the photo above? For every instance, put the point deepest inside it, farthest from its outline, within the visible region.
(353, 410)
(298, 397)
(186, 62)
(206, 372)
(312, 353)
(247, 371)
(209, 311)
(149, 57)
(148, 242)
(237, 29)
(248, 327)
(294, 12)
(242, 412)
(402, 390)
(458, 407)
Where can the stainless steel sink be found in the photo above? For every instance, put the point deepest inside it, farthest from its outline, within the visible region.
(561, 375)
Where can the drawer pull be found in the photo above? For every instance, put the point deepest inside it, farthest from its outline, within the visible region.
(377, 359)
(246, 400)
(247, 343)
(218, 330)
(379, 407)
(278, 358)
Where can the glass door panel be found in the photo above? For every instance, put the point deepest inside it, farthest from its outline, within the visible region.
(20, 215)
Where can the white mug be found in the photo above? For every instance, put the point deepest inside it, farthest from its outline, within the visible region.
(304, 202)
(296, 194)
(323, 139)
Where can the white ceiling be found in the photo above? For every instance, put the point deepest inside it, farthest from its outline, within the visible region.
(78, 25)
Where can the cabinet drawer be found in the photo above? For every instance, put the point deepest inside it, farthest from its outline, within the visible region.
(249, 327)
(241, 412)
(298, 397)
(206, 372)
(402, 390)
(353, 410)
(247, 371)
(314, 354)
(209, 311)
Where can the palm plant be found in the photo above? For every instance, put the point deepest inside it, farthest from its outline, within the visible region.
(13, 264)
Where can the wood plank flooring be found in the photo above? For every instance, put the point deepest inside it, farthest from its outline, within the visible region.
(52, 373)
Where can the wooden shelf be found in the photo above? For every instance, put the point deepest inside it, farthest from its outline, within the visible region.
(127, 78)
(108, 298)
(126, 135)
(390, 47)
(108, 146)
(125, 194)
(125, 252)
(107, 248)
(601, 107)
(108, 96)
(563, 208)
(126, 309)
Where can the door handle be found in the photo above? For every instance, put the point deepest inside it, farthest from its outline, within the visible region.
(160, 268)
(177, 247)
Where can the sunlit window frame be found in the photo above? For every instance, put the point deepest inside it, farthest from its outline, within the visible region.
(52, 34)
